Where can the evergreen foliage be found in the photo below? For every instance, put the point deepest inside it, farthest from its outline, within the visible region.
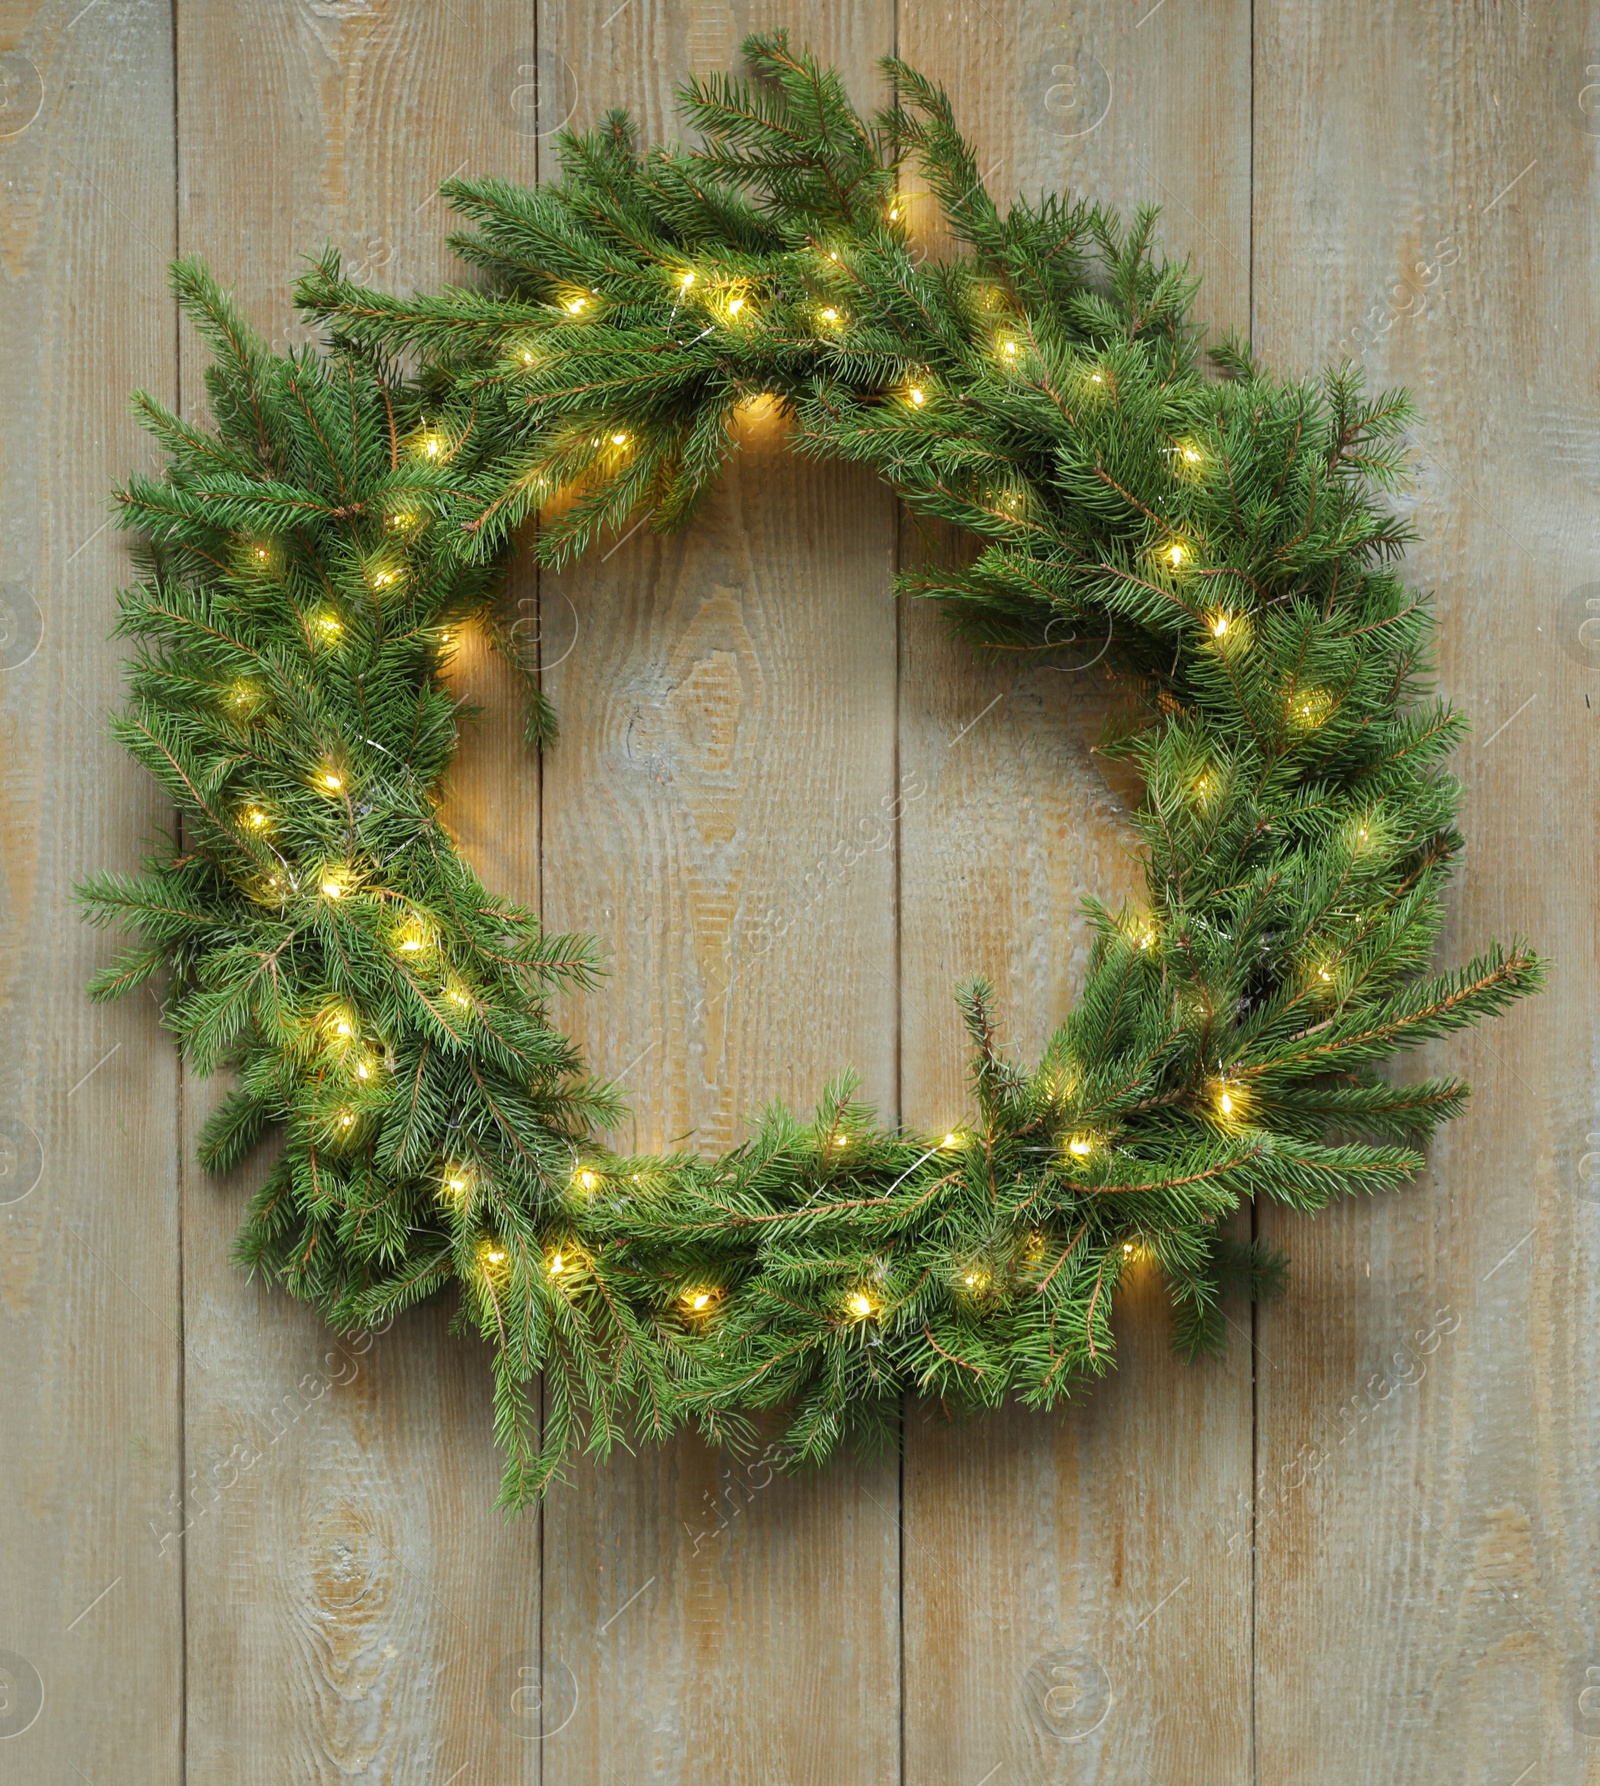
(307, 563)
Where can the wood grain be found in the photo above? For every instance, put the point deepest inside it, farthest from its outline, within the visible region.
(89, 1283)
(355, 1604)
(1427, 1540)
(797, 815)
(728, 742)
(1068, 1611)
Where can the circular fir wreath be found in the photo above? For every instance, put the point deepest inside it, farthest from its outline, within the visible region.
(306, 567)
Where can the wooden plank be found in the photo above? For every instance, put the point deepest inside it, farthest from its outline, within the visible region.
(88, 1208)
(1069, 1611)
(1426, 1490)
(355, 1604)
(728, 733)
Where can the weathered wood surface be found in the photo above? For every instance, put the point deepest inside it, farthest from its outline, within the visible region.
(1068, 1612)
(355, 1604)
(1362, 1548)
(1429, 1411)
(729, 715)
(91, 1408)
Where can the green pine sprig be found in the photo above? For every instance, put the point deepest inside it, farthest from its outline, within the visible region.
(306, 566)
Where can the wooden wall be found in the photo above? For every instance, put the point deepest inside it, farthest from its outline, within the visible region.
(1364, 1547)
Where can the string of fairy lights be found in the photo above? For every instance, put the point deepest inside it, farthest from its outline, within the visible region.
(321, 556)
(415, 937)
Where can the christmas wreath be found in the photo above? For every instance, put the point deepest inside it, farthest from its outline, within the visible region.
(307, 564)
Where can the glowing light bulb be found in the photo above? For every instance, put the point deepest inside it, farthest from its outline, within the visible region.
(1225, 1103)
(495, 1256)
(951, 1140)
(527, 356)
(330, 625)
(701, 1299)
(1081, 1146)
(735, 305)
(361, 1072)
(346, 1120)
(1323, 974)
(1095, 378)
(257, 818)
(860, 1305)
(918, 395)
(686, 281)
(410, 946)
(833, 254)
(894, 214)
(1219, 626)
(830, 315)
(587, 1179)
(458, 1185)
(1175, 555)
(574, 305)
(1191, 455)
(1010, 349)
(342, 1027)
(261, 554)
(1147, 941)
(431, 445)
(1362, 834)
(619, 440)
(1127, 1249)
(841, 1139)
(557, 1264)
(400, 523)
(331, 889)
